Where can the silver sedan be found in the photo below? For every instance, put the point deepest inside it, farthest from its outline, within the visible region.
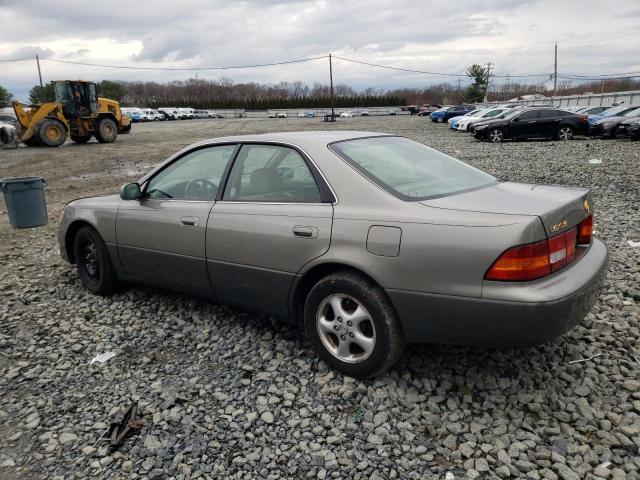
(367, 240)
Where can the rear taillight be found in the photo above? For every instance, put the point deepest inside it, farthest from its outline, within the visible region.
(526, 262)
(583, 118)
(535, 260)
(585, 231)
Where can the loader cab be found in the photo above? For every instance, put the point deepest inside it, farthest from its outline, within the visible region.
(78, 99)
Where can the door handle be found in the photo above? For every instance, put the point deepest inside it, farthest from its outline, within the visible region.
(305, 232)
(533, 121)
(189, 221)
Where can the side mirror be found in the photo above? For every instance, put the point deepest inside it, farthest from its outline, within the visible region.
(517, 119)
(130, 191)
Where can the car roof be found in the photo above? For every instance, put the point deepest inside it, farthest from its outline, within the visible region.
(311, 138)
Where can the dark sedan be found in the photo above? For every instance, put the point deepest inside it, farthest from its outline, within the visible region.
(629, 128)
(608, 126)
(533, 123)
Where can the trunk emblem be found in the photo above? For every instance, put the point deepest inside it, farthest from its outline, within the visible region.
(587, 208)
(558, 226)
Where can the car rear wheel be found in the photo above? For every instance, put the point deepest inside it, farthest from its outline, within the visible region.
(440, 119)
(93, 262)
(495, 135)
(565, 133)
(352, 326)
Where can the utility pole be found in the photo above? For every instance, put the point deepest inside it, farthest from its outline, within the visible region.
(39, 73)
(555, 71)
(333, 118)
(459, 93)
(486, 89)
(507, 91)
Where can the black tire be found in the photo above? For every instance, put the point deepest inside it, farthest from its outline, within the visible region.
(93, 262)
(51, 132)
(81, 139)
(381, 326)
(106, 130)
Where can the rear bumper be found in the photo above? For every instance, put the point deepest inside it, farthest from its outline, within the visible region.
(528, 314)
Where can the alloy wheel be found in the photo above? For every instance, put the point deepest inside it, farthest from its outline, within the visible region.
(496, 135)
(90, 261)
(345, 328)
(565, 133)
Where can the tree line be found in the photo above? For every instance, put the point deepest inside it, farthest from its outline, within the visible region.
(224, 93)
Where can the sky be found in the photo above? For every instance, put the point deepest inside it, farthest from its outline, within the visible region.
(517, 36)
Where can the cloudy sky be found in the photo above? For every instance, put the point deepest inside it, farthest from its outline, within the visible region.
(517, 36)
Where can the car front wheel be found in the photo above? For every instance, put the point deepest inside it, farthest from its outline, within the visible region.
(93, 262)
(565, 133)
(496, 135)
(352, 326)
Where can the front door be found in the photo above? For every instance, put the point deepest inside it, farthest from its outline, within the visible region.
(161, 236)
(271, 221)
(525, 125)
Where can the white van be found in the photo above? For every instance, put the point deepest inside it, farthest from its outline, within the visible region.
(171, 112)
(150, 115)
(186, 113)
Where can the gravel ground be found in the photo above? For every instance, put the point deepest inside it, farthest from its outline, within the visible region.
(229, 394)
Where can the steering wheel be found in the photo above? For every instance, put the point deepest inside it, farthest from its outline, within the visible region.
(200, 189)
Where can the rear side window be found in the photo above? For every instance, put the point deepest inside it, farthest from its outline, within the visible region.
(410, 170)
(529, 115)
(271, 173)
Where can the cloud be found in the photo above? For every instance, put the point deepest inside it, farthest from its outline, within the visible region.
(439, 35)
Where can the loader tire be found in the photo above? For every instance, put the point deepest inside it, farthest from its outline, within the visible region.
(51, 132)
(106, 130)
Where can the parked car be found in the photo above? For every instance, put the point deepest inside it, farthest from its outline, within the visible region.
(306, 115)
(629, 128)
(346, 115)
(393, 111)
(364, 113)
(426, 109)
(481, 121)
(135, 114)
(150, 115)
(593, 110)
(170, 113)
(8, 132)
(533, 123)
(486, 114)
(281, 115)
(213, 114)
(608, 126)
(186, 113)
(453, 121)
(611, 112)
(446, 113)
(373, 241)
(201, 114)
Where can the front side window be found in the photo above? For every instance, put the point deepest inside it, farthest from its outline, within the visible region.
(271, 173)
(196, 176)
(410, 170)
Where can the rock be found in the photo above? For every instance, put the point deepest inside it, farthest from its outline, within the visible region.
(631, 385)
(267, 417)
(67, 437)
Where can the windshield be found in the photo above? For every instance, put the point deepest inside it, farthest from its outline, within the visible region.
(410, 170)
(614, 111)
(633, 113)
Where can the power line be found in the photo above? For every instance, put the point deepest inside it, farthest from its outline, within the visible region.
(429, 73)
(185, 69)
(16, 59)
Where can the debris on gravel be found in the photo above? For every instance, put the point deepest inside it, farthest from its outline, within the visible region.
(224, 393)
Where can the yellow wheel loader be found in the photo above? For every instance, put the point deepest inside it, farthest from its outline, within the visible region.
(78, 112)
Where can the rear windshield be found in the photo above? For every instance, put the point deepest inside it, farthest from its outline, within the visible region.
(410, 170)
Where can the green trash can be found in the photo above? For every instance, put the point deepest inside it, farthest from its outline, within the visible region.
(24, 197)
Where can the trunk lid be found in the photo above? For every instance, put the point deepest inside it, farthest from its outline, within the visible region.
(559, 208)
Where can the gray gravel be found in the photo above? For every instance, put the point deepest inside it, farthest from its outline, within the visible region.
(230, 394)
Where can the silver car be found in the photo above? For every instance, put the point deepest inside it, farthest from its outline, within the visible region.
(368, 240)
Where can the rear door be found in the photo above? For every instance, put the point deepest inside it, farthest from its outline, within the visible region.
(275, 216)
(549, 121)
(161, 236)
